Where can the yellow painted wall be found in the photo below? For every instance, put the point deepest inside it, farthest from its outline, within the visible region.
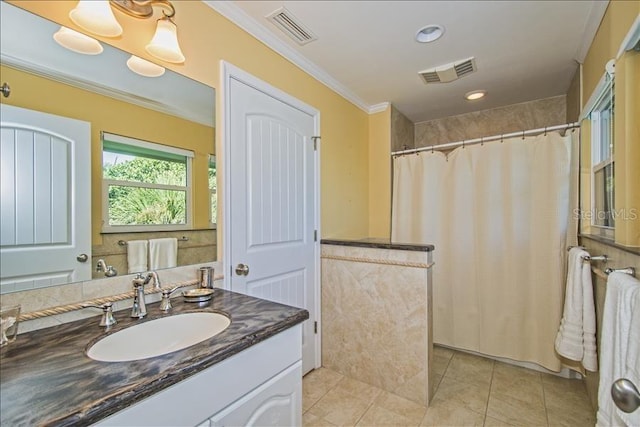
(627, 148)
(615, 25)
(380, 174)
(206, 37)
(110, 115)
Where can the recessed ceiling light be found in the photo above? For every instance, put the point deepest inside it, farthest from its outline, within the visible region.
(475, 94)
(430, 33)
(77, 42)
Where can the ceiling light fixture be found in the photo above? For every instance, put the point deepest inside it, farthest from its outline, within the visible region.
(429, 34)
(144, 67)
(77, 42)
(97, 17)
(475, 94)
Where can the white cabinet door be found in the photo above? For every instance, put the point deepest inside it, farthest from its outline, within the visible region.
(45, 215)
(278, 402)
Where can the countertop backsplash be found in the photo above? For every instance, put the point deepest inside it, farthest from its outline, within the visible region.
(73, 293)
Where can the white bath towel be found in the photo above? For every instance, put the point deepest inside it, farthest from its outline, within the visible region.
(619, 346)
(576, 338)
(137, 255)
(632, 368)
(163, 253)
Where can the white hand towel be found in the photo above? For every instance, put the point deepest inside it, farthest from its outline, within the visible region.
(618, 343)
(137, 255)
(576, 338)
(163, 253)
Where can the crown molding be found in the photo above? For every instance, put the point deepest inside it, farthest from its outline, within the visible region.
(378, 108)
(239, 17)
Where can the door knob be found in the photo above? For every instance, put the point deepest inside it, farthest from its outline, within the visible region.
(242, 270)
(82, 258)
(625, 395)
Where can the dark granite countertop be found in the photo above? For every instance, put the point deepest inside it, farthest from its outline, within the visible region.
(378, 244)
(47, 379)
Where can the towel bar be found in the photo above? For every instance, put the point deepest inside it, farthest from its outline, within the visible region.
(180, 239)
(629, 270)
(588, 258)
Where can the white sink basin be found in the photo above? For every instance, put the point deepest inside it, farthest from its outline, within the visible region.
(157, 337)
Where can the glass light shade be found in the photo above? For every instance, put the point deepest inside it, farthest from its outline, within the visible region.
(77, 42)
(96, 17)
(164, 44)
(144, 67)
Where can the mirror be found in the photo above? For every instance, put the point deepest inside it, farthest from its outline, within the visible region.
(170, 111)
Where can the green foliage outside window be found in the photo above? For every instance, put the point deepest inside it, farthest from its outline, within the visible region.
(141, 205)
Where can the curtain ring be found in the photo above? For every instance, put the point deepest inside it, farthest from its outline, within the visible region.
(432, 148)
(501, 139)
(545, 131)
(463, 143)
(523, 134)
(482, 141)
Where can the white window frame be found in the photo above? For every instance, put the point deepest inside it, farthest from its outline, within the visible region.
(604, 96)
(188, 188)
(213, 222)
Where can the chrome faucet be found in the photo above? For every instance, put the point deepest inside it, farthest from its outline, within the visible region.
(109, 271)
(156, 279)
(139, 309)
(107, 318)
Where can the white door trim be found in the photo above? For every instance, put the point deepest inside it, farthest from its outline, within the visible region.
(227, 73)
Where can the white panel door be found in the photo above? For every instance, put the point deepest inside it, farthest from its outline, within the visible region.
(45, 218)
(272, 202)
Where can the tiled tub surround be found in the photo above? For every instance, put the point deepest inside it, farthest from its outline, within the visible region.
(376, 314)
(46, 378)
(511, 118)
(73, 293)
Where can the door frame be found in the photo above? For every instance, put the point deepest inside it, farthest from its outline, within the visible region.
(223, 142)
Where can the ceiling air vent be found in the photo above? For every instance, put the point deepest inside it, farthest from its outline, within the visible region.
(450, 72)
(291, 26)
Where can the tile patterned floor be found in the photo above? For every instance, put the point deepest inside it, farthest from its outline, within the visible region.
(471, 391)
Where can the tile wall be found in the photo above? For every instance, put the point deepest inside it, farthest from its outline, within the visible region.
(496, 121)
(40, 299)
(402, 131)
(377, 319)
(199, 248)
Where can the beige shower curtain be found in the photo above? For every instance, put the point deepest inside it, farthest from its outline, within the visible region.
(499, 215)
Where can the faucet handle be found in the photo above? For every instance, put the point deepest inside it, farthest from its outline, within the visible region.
(165, 304)
(140, 280)
(107, 318)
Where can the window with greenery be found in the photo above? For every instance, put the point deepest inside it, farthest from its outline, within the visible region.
(146, 186)
(602, 164)
(213, 191)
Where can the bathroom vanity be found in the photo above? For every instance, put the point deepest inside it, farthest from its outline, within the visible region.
(249, 373)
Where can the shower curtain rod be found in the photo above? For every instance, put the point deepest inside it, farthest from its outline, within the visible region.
(523, 133)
